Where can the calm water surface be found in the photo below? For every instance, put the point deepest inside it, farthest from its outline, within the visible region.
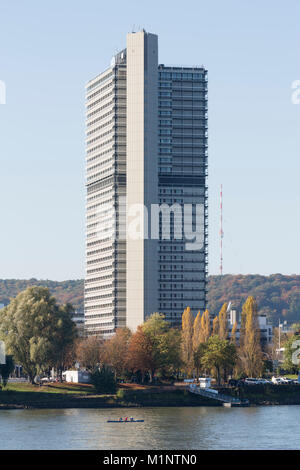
(273, 427)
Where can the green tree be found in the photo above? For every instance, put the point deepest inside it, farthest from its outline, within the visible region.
(30, 326)
(64, 337)
(155, 327)
(169, 346)
(198, 357)
(164, 345)
(291, 356)
(219, 355)
(104, 380)
(296, 328)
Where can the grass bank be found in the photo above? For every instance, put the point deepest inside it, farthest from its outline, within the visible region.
(83, 396)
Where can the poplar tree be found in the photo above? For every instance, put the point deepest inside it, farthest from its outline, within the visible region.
(215, 326)
(197, 331)
(187, 339)
(205, 326)
(223, 329)
(250, 351)
(233, 333)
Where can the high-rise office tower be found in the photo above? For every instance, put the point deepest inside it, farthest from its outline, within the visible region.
(146, 136)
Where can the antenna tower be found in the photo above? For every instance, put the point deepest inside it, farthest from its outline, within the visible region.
(221, 231)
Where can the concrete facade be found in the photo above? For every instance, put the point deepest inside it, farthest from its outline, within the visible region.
(146, 128)
(142, 124)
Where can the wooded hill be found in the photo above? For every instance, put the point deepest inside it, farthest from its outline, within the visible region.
(277, 295)
(65, 291)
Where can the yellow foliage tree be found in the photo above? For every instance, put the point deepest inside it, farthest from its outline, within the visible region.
(233, 333)
(215, 326)
(187, 339)
(197, 331)
(223, 329)
(205, 325)
(250, 352)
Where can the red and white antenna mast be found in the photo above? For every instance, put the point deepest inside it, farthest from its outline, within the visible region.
(221, 230)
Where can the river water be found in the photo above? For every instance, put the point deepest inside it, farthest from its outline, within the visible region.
(271, 427)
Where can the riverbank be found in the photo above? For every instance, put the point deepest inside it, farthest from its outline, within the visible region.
(263, 395)
(81, 396)
(59, 396)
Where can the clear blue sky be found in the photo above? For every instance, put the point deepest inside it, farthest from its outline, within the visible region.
(48, 50)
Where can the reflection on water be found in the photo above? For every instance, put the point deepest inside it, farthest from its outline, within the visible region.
(164, 428)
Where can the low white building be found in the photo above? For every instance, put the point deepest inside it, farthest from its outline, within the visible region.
(77, 376)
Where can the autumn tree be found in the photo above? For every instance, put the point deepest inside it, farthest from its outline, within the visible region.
(89, 352)
(200, 337)
(205, 325)
(187, 339)
(197, 331)
(140, 356)
(250, 352)
(233, 338)
(223, 324)
(115, 350)
(215, 326)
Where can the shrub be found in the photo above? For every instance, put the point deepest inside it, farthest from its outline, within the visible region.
(120, 394)
(104, 380)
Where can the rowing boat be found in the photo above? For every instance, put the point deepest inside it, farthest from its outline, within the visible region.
(123, 421)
